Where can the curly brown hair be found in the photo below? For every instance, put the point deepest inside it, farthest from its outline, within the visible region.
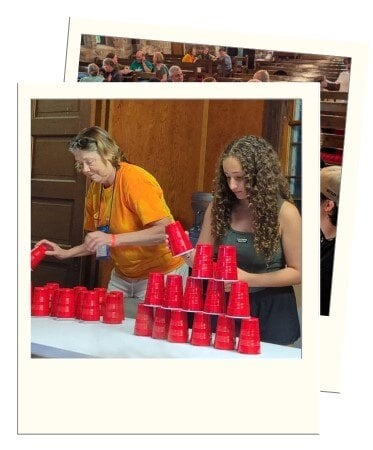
(97, 139)
(264, 185)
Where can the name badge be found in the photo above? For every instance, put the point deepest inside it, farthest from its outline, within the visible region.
(103, 252)
(241, 240)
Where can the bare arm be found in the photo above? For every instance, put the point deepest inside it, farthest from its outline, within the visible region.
(291, 239)
(153, 234)
(61, 253)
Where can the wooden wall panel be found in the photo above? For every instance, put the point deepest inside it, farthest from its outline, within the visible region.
(164, 137)
(177, 139)
(228, 120)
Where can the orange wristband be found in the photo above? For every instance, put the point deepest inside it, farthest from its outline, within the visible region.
(112, 240)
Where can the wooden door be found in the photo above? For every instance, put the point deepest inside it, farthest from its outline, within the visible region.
(57, 190)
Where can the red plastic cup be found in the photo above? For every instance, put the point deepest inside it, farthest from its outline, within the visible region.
(178, 328)
(144, 320)
(40, 302)
(203, 262)
(52, 288)
(90, 309)
(37, 255)
(161, 323)
(173, 298)
(226, 266)
(239, 303)
(65, 308)
(193, 295)
(52, 285)
(225, 333)
(121, 300)
(249, 338)
(79, 295)
(54, 302)
(201, 330)
(113, 309)
(101, 296)
(154, 295)
(215, 298)
(178, 239)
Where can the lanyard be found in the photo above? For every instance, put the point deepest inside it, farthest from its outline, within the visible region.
(108, 219)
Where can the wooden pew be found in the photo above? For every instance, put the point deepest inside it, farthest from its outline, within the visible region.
(229, 79)
(333, 122)
(333, 141)
(333, 108)
(333, 95)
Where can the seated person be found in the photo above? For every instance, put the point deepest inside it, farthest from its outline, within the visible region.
(190, 56)
(206, 55)
(93, 74)
(209, 79)
(224, 63)
(343, 79)
(140, 64)
(160, 69)
(175, 74)
(261, 75)
(110, 72)
(113, 56)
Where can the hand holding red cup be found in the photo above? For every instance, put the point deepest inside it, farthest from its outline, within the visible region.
(178, 239)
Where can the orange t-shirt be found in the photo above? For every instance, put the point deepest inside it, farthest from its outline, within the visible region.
(132, 202)
(188, 58)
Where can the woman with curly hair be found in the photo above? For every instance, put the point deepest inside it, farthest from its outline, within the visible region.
(252, 209)
(125, 215)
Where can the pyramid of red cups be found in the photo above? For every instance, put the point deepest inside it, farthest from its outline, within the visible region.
(164, 312)
(78, 303)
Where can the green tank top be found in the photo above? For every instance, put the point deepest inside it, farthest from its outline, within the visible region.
(247, 259)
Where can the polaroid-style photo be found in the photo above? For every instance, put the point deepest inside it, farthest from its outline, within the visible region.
(176, 134)
(339, 69)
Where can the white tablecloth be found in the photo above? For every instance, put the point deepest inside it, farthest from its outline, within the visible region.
(70, 338)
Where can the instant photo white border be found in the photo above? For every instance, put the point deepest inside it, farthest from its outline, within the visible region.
(332, 326)
(172, 395)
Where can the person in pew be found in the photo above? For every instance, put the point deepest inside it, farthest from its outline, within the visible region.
(224, 67)
(159, 68)
(175, 74)
(209, 79)
(110, 73)
(252, 209)
(114, 57)
(190, 56)
(125, 215)
(261, 75)
(140, 63)
(93, 74)
(206, 55)
(343, 79)
(330, 181)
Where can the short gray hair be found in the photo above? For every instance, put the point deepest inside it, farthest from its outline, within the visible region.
(173, 69)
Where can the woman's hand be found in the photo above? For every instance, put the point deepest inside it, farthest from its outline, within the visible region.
(53, 249)
(95, 239)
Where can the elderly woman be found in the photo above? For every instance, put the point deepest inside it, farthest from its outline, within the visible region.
(252, 210)
(125, 215)
(93, 74)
